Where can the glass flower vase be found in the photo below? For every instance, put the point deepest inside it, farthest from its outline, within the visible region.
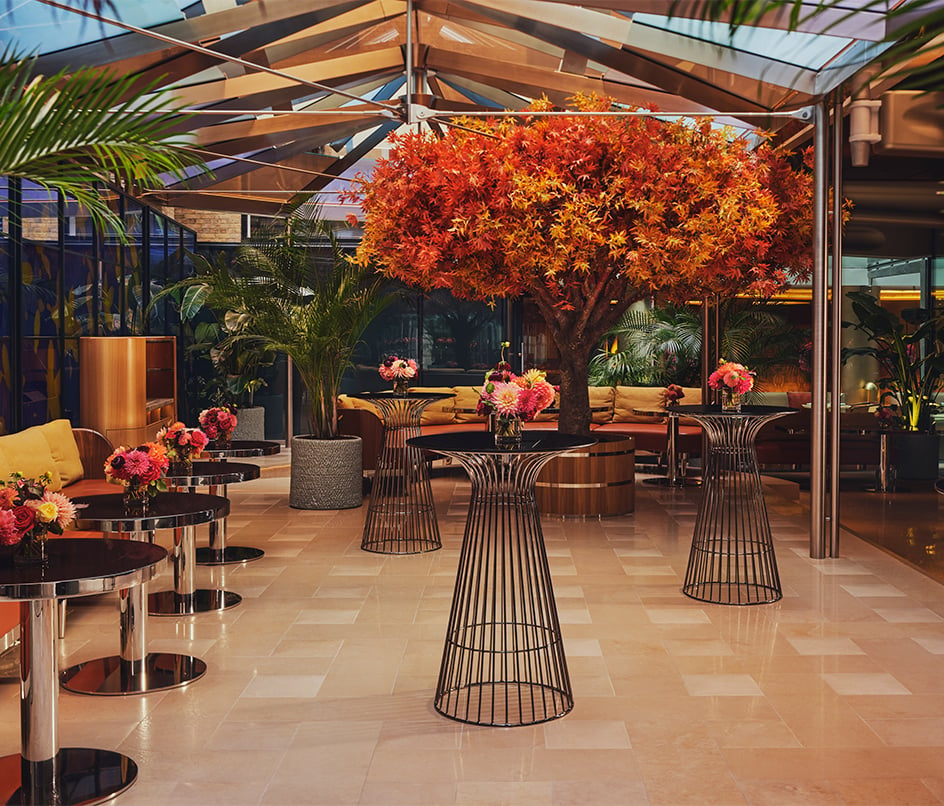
(401, 386)
(31, 550)
(507, 431)
(223, 441)
(180, 467)
(730, 400)
(135, 500)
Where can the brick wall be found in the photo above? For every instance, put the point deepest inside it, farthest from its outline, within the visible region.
(210, 225)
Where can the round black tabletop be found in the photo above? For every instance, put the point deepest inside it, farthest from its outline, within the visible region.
(242, 448)
(211, 474)
(484, 442)
(80, 567)
(164, 511)
(389, 395)
(755, 411)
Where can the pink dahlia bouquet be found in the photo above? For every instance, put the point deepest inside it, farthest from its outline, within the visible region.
(217, 423)
(509, 395)
(30, 511)
(393, 368)
(182, 444)
(140, 468)
(729, 375)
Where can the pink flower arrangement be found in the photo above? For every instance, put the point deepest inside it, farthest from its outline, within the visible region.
(217, 422)
(672, 394)
(182, 444)
(29, 510)
(393, 368)
(735, 377)
(511, 395)
(140, 468)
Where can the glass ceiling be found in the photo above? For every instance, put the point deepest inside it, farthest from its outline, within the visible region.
(290, 94)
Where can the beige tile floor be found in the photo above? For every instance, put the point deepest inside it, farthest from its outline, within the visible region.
(319, 689)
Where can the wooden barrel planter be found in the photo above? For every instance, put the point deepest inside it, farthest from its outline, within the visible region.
(594, 481)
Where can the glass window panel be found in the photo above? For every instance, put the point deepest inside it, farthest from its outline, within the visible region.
(39, 296)
(40, 214)
(111, 243)
(461, 339)
(80, 229)
(79, 289)
(41, 381)
(110, 311)
(6, 381)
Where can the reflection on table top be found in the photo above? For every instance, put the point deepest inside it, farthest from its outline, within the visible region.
(80, 567)
(746, 411)
(206, 474)
(165, 511)
(484, 442)
(245, 447)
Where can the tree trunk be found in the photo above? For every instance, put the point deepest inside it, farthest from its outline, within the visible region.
(574, 417)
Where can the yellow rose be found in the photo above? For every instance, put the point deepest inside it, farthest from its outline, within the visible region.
(47, 512)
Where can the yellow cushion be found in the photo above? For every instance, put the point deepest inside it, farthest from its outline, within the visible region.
(692, 398)
(65, 451)
(465, 401)
(28, 452)
(601, 396)
(441, 412)
(348, 402)
(630, 398)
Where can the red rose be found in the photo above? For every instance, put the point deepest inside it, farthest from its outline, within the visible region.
(24, 518)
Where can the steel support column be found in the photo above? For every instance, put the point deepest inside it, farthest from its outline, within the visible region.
(818, 490)
(835, 356)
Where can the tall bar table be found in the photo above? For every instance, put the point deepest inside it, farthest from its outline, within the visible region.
(732, 558)
(186, 599)
(503, 663)
(44, 773)
(218, 553)
(134, 670)
(401, 514)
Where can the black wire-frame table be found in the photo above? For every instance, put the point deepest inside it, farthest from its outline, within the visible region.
(503, 662)
(401, 513)
(732, 558)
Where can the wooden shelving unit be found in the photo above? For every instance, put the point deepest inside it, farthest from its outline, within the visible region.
(127, 386)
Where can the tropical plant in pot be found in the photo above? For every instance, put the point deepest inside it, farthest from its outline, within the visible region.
(911, 364)
(290, 289)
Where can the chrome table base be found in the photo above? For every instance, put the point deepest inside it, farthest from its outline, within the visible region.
(78, 775)
(732, 558)
(113, 675)
(401, 515)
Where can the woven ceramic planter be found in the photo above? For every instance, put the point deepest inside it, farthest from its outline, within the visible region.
(250, 424)
(326, 473)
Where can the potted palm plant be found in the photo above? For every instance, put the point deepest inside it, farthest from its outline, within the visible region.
(291, 290)
(912, 374)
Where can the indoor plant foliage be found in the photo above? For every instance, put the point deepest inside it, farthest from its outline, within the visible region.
(912, 372)
(579, 212)
(291, 290)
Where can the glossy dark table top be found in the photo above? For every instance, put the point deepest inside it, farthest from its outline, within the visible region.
(165, 511)
(209, 474)
(754, 411)
(388, 395)
(80, 567)
(484, 442)
(242, 448)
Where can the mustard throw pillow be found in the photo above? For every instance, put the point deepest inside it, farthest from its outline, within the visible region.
(28, 453)
(465, 402)
(64, 450)
(441, 412)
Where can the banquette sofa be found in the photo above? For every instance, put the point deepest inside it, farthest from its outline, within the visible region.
(75, 457)
(783, 443)
(615, 410)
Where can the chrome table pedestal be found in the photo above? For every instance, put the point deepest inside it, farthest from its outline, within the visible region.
(401, 515)
(218, 553)
(503, 663)
(134, 670)
(43, 773)
(732, 558)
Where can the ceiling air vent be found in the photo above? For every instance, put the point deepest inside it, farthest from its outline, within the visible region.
(911, 123)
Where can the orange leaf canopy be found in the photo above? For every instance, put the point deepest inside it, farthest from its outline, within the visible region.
(581, 210)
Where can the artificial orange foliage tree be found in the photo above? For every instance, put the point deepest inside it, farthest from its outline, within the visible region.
(586, 214)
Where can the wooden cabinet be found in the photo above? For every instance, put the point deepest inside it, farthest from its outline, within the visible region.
(127, 386)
